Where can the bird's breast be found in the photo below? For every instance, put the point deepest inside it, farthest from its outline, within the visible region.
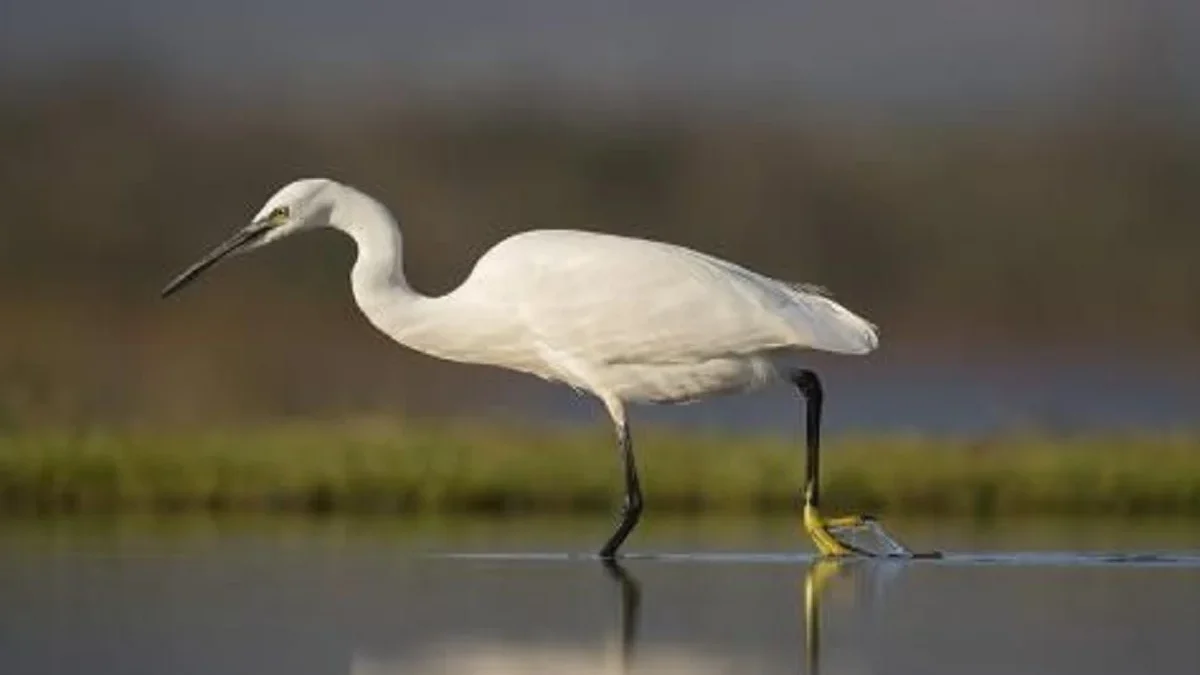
(681, 382)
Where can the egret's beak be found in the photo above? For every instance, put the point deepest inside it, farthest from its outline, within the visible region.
(245, 236)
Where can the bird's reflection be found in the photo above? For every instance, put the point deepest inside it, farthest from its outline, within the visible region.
(822, 578)
(631, 608)
(816, 578)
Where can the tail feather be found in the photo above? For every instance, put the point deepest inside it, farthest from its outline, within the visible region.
(815, 319)
(826, 325)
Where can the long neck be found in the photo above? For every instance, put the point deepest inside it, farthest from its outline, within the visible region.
(378, 272)
(377, 279)
(437, 326)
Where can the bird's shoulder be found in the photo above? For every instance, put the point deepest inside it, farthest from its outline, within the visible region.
(532, 242)
(559, 251)
(580, 272)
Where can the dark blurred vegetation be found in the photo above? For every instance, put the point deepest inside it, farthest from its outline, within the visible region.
(1079, 229)
(372, 467)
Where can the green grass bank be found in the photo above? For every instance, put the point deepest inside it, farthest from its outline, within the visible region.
(392, 468)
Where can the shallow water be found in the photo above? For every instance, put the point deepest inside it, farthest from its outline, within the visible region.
(524, 596)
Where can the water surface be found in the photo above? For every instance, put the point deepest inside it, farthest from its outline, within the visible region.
(130, 597)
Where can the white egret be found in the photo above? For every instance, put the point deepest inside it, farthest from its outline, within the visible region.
(628, 320)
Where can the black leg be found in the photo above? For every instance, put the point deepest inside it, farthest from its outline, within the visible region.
(810, 388)
(631, 509)
(819, 528)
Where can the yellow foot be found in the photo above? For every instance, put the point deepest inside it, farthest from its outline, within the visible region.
(826, 542)
(849, 522)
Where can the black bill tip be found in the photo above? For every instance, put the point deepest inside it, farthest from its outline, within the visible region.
(231, 245)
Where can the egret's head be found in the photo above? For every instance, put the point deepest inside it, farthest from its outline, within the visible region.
(300, 205)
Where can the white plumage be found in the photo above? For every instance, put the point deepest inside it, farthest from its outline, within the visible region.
(646, 321)
(623, 318)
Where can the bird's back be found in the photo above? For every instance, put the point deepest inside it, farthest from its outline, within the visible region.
(596, 301)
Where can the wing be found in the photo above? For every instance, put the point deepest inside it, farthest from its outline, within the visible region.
(610, 299)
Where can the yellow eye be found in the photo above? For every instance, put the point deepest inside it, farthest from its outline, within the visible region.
(278, 215)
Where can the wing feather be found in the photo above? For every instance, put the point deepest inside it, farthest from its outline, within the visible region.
(614, 300)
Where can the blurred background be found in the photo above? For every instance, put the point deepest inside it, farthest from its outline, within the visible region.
(1009, 189)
